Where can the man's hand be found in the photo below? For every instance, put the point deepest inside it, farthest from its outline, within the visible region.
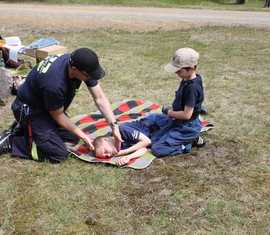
(117, 137)
(89, 142)
(60, 117)
(165, 109)
(104, 107)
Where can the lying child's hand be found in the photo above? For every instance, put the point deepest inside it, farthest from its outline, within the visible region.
(120, 161)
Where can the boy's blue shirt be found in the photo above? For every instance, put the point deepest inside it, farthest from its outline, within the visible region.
(149, 125)
(130, 132)
(190, 93)
(129, 135)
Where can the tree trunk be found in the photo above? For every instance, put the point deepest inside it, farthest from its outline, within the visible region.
(267, 3)
(240, 1)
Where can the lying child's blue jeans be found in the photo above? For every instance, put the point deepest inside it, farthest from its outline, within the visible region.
(172, 137)
(168, 136)
(175, 138)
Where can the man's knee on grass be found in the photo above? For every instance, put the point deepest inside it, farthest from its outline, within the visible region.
(51, 151)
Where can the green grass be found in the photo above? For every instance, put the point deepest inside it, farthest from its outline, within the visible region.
(214, 4)
(220, 189)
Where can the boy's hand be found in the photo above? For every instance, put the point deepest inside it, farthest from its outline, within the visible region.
(165, 109)
(120, 161)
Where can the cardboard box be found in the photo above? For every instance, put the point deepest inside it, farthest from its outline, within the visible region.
(30, 52)
(51, 50)
(42, 53)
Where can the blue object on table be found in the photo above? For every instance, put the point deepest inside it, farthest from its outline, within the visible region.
(43, 42)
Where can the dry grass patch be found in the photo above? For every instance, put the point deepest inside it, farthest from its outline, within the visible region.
(220, 189)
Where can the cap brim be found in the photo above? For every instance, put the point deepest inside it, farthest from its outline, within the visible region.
(97, 74)
(170, 68)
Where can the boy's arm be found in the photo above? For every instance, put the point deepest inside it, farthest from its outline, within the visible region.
(122, 160)
(143, 142)
(182, 115)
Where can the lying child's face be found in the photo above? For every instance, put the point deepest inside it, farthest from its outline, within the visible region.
(105, 150)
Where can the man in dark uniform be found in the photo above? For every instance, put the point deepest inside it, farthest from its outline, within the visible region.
(42, 125)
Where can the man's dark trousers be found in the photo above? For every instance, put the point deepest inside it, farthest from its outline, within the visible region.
(38, 128)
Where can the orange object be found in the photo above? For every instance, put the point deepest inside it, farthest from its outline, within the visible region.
(2, 42)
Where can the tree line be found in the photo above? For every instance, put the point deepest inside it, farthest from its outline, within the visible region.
(266, 3)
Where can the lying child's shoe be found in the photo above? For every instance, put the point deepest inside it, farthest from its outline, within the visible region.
(5, 145)
(198, 142)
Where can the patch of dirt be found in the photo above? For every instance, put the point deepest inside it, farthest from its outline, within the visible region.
(149, 191)
(51, 25)
(41, 18)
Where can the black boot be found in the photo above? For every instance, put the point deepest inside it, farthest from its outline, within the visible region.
(5, 142)
(198, 142)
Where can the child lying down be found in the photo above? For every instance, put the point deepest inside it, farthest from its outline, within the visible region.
(136, 138)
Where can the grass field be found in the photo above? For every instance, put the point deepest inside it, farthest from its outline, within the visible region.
(220, 189)
(213, 4)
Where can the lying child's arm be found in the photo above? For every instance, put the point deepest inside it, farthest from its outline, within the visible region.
(122, 160)
(143, 142)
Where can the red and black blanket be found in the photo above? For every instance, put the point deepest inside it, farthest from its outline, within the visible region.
(95, 125)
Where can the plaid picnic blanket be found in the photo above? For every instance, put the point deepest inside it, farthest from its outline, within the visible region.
(95, 125)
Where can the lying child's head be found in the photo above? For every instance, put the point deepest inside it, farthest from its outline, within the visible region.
(104, 147)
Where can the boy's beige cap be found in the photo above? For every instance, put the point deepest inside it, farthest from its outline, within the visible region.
(183, 57)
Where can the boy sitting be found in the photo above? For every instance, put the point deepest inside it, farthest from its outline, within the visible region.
(183, 125)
